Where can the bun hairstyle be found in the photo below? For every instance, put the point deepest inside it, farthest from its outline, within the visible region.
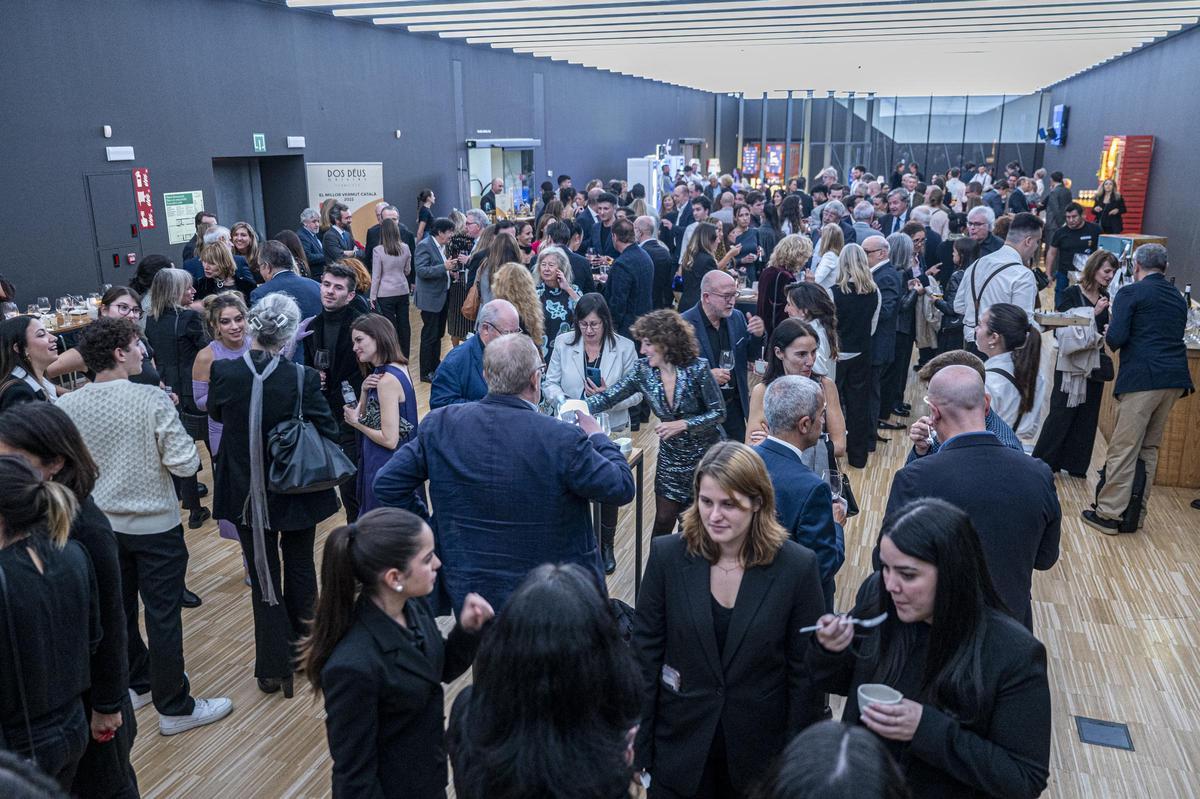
(30, 505)
(273, 321)
(1024, 341)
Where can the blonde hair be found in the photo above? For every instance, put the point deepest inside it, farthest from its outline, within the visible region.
(832, 239)
(252, 256)
(219, 255)
(792, 253)
(215, 303)
(852, 268)
(738, 469)
(514, 283)
(167, 290)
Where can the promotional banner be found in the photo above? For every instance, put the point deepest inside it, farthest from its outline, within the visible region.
(182, 207)
(357, 186)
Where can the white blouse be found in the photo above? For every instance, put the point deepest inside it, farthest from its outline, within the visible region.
(1006, 400)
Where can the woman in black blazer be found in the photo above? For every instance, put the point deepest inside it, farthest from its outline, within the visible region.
(699, 260)
(975, 718)
(1109, 209)
(292, 518)
(380, 659)
(718, 636)
(857, 301)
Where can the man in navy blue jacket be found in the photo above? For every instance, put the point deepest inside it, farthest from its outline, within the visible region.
(278, 270)
(630, 279)
(1148, 319)
(883, 341)
(794, 409)
(459, 378)
(511, 488)
(1009, 496)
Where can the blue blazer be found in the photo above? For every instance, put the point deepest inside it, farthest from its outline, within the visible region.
(630, 287)
(305, 291)
(804, 506)
(983, 477)
(511, 489)
(739, 337)
(1148, 318)
(314, 250)
(459, 378)
(891, 289)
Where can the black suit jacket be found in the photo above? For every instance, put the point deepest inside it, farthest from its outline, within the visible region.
(759, 689)
(581, 272)
(664, 272)
(1148, 319)
(886, 222)
(384, 704)
(1010, 498)
(630, 287)
(891, 289)
(229, 391)
(333, 245)
(375, 238)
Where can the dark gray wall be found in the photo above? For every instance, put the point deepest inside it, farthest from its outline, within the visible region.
(1151, 91)
(186, 81)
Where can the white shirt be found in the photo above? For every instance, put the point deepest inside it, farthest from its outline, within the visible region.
(1015, 285)
(45, 386)
(799, 452)
(823, 365)
(687, 236)
(826, 271)
(1006, 400)
(958, 191)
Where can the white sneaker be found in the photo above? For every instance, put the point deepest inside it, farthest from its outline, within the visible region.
(140, 700)
(206, 712)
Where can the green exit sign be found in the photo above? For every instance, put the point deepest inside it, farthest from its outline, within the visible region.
(260, 142)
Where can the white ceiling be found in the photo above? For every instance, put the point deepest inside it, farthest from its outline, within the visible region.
(891, 47)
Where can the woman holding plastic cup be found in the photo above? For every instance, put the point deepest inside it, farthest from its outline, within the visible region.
(974, 718)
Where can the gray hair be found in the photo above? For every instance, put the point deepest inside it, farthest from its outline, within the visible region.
(560, 255)
(166, 290)
(273, 321)
(478, 217)
(984, 211)
(644, 225)
(789, 399)
(308, 214)
(863, 212)
(901, 193)
(921, 214)
(900, 246)
(508, 363)
(491, 311)
(711, 277)
(834, 205)
(1152, 257)
(215, 234)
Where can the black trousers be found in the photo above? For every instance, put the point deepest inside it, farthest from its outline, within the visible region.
(735, 418)
(188, 490)
(348, 491)
(57, 745)
(152, 567)
(1069, 434)
(950, 339)
(895, 376)
(715, 782)
(878, 388)
(277, 628)
(395, 309)
(105, 771)
(853, 382)
(433, 328)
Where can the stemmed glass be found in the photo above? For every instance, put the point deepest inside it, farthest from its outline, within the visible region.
(726, 361)
(834, 478)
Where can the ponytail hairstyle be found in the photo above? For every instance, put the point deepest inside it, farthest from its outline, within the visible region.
(1022, 339)
(30, 505)
(355, 557)
(46, 432)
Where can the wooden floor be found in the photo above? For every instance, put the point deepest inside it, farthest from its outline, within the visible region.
(1118, 617)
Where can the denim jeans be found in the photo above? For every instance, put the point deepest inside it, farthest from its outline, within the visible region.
(59, 739)
(153, 566)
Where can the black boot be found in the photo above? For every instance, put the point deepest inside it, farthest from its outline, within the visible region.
(607, 537)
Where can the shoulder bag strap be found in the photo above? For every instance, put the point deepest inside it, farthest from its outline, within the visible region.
(977, 296)
(1012, 379)
(299, 392)
(16, 656)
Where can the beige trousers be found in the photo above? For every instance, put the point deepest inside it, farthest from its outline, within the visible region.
(1141, 420)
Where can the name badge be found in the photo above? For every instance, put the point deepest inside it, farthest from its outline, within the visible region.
(670, 678)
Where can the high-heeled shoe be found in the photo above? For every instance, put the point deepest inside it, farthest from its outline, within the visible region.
(270, 685)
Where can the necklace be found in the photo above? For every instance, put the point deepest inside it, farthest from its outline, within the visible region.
(731, 569)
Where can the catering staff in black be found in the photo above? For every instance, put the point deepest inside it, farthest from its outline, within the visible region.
(975, 718)
(380, 660)
(718, 636)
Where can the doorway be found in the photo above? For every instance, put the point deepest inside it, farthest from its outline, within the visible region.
(268, 192)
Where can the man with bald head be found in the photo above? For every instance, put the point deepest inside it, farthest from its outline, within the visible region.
(459, 378)
(722, 328)
(1009, 496)
(510, 487)
(661, 295)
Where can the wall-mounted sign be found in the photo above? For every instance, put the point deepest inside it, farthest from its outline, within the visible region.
(181, 209)
(142, 197)
(260, 143)
(359, 186)
(749, 159)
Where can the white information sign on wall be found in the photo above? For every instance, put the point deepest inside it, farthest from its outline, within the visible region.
(182, 207)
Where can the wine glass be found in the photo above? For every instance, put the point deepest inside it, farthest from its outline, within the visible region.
(43, 304)
(726, 360)
(321, 360)
(605, 425)
(834, 478)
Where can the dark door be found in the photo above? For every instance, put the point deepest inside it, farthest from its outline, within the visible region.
(114, 225)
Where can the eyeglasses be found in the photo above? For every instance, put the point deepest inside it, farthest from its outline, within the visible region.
(591, 325)
(872, 252)
(123, 309)
(976, 224)
(499, 331)
(724, 297)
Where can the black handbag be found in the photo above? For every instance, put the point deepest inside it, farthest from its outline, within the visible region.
(302, 460)
(196, 424)
(1042, 279)
(847, 493)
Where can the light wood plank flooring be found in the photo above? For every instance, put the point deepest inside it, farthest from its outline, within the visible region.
(1117, 615)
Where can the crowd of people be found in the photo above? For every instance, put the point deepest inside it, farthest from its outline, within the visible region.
(287, 359)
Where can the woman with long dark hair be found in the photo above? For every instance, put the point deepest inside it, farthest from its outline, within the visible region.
(810, 303)
(832, 760)
(700, 259)
(718, 636)
(554, 703)
(390, 288)
(119, 302)
(1013, 346)
(425, 201)
(49, 610)
(290, 239)
(386, 413)
(975, 717)
(1083, 367)
(502, 250)
(1109, 209)
(668, 213)
(244, 239)
(27, 350)
(791, 216)
(49, 440)
(376, 654)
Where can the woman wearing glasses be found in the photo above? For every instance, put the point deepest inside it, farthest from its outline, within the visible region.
(118, 302)
(584, 362)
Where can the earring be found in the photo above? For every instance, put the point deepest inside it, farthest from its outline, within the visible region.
(398, 588)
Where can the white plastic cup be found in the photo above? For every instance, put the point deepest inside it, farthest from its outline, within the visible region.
(873, 693)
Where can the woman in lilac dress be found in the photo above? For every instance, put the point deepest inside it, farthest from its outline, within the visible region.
(225, 318)
(386, 413)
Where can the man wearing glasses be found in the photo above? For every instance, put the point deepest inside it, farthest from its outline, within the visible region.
(1001, 276)
(979, 227)
(724, 334)
(460, 377)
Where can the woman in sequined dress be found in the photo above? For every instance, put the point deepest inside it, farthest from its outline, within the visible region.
(685, 398)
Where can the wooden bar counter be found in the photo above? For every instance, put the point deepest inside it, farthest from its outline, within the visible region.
(1179, 452)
